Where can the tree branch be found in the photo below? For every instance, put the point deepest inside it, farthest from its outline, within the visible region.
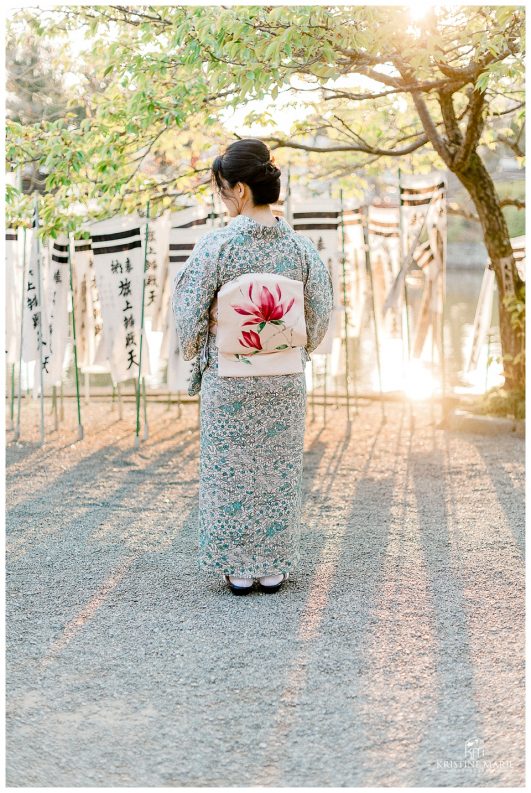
(366, 149)
(473, 131)
(428, 123)
(455, 209)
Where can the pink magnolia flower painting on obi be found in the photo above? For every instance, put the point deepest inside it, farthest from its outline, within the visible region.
(272, 309)
(251, 339)
(267, 309)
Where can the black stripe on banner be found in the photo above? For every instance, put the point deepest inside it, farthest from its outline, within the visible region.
(384, 233)
(315, 226)
(315, 214)
(117, 235)
(416, 202)
(419, 190)
(178, 258)
(60, 247)
(80, 248)
(11, 236)
(383, 224)
(181, 246)
(60, 259)
(127, 246)
(201, 222)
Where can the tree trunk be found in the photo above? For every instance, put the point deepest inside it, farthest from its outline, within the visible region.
(477, 180)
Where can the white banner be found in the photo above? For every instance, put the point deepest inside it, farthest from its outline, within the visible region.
(430, 257)
(179, 370)
(119, 267)
(318, 219)
(188, 225)
(14, 285)
(89, 323)
(34, 313)
(157, 267)
(356, 270)
(57, 290)
(482, 318)
(384, 248)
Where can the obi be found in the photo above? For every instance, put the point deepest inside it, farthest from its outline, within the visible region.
(259, 323)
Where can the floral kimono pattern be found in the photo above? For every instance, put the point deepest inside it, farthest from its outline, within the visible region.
(251, 427)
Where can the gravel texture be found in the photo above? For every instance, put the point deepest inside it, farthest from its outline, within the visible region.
(395, 647)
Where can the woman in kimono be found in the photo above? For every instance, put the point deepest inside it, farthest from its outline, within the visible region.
(251, 427)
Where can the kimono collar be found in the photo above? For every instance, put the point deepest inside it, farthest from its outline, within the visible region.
(260, 230)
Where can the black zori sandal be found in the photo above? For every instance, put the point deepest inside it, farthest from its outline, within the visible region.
(273, 587)
(235, 589)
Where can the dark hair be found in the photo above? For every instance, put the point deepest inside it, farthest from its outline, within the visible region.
(249, 161)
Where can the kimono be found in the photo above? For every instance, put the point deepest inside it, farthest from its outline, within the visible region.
(251, 427)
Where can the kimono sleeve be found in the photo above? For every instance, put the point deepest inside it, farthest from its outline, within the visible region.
(318, 297)
(194, 289)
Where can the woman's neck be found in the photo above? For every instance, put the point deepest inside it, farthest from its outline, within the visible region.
(264, 216)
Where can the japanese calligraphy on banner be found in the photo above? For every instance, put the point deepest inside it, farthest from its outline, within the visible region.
(157, 267)
(57, 290)
(14, 285)
(34, 314)
(188, 225)
(89, 323)
(119, 267)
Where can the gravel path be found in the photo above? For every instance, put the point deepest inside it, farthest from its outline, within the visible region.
(395, 648)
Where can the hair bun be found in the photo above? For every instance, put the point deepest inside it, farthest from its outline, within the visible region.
(270, 168)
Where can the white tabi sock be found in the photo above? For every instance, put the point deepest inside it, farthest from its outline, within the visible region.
(241, 581)
(271, 580)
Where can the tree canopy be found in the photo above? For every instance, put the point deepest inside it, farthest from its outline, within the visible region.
(379, 89)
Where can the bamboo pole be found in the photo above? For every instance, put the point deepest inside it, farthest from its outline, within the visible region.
(368, 265)
(80, 432)
(19, 395)
(403, 247)
(137, 438)
(345, 307)
(39, 297)
(442, 287)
